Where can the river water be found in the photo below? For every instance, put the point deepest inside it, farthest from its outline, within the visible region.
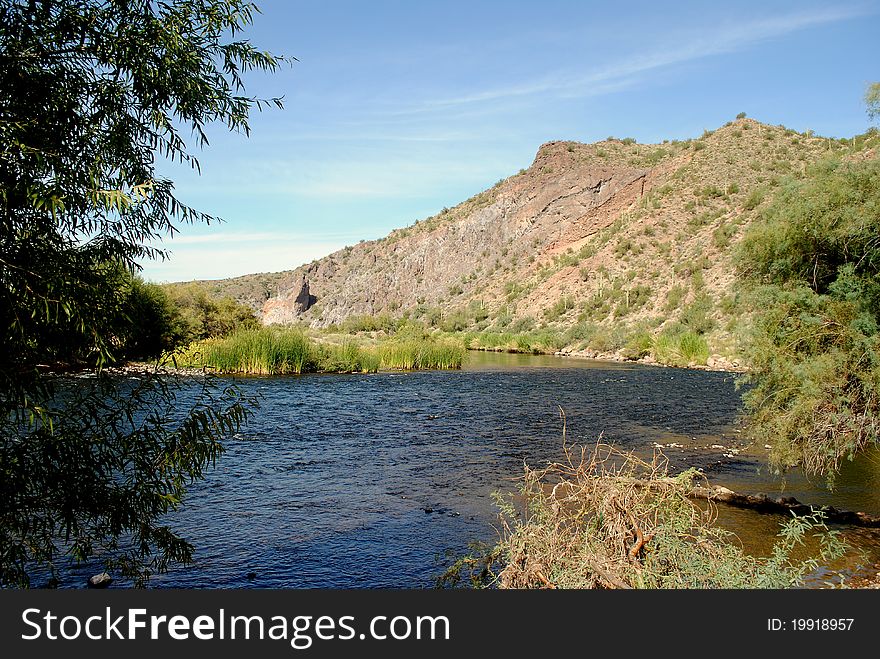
(349, 481)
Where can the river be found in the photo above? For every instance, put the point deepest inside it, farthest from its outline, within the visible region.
(350, 481)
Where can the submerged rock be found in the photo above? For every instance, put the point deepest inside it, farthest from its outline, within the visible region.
(100, 580)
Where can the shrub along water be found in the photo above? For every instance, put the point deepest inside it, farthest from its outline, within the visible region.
(812, 266)
(681, 349)
(675, 347)
(277, 351)
(262, 351)
(533, 341)
(348, 357)
(612, 520)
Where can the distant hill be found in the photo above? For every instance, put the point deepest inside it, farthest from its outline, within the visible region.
(612, 233)
(251, 290)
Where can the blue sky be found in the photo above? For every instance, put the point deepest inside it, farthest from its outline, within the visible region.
(396, 109)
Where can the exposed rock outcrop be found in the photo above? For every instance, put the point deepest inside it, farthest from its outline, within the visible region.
(296, 301)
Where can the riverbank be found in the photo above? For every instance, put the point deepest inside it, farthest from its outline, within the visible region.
(713, 363)
(678, 348)
(190, 365)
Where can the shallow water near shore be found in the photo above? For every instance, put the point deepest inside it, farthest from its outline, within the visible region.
(350, 481)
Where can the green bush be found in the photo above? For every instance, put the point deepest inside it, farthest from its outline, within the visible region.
(711, 192)
(457, 321)
(523, 324)
(722, 235)
(366, 323)
(639, 345)
(693, 348)
(503, 319)
(562, 306)
(696, 316)
(581, 331)
(150, 324)
(548, 340)
(601, 341)
(813, 268)
(754, 199)
(203, 316)
(674, 298)
(492, 340)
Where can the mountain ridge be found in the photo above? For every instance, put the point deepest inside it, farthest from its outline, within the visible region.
(610, 233)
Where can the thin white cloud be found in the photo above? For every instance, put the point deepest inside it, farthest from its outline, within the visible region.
(355, 137)
(214, 238)
(376, 175)
(263, 237)
(220, 259)
(727, 38)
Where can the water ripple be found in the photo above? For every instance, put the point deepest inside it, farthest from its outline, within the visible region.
(364, 481)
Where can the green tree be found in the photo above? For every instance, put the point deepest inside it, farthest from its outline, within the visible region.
(150, 324)
(202, 316)
(813, 267)
(872, 100)
(92, 93)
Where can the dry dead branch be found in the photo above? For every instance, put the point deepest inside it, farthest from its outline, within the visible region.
(602, 518)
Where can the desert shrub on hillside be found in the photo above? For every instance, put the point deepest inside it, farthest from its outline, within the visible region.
(562, 306)
(674, 298)
(696, 316)
(722, 235)
(457, 321)
(524, 324)
(754, 199)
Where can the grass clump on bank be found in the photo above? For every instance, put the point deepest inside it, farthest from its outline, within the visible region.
(682, 349)
(606, 519)
(261, 351)
(283, 351)
(420, 353)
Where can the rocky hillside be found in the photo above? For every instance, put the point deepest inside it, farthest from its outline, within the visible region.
(465, 253)
(583, 220)
(614, 234)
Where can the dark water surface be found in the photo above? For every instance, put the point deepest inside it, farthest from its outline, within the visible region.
(347, 481)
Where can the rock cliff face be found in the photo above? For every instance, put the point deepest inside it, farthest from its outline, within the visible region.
(293, 305)
(615, 232)
(558, 201)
